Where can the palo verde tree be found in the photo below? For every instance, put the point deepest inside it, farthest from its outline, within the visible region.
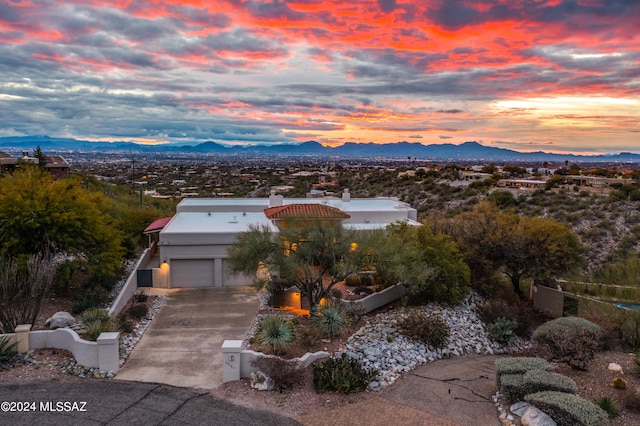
(314, 256)
(429, 264)
(40, 215)
(496, 242)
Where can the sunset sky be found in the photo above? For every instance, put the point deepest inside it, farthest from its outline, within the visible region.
(550, 75)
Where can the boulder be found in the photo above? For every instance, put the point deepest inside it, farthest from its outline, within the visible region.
(60, 320)
(614, 366)
(260, 381)
(534, 417)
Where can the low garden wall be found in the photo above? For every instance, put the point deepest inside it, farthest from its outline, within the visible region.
(102, 354)
(238, 362)
(558, 303)
(130, 286)
(369, 303)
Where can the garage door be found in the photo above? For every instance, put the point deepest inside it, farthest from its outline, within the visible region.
(191, 273)
(230, 280)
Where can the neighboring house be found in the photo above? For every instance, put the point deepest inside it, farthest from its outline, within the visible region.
(192, 246)
(522, 183)
(55, 164)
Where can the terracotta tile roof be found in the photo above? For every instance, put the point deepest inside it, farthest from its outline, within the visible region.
(157, 224)
(310, 211)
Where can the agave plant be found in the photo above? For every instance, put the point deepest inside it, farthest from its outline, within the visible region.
(331, 319)
(274, 333)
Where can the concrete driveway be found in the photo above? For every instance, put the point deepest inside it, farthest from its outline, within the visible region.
(182, 347)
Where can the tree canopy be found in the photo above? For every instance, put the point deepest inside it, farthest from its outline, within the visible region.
(493, 241)
(38, 214)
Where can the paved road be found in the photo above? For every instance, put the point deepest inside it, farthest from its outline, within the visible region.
(182, 346)
(114, 403)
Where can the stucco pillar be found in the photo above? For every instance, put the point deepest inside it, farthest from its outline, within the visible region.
(108, 352)
(231, 352)
(22, 336)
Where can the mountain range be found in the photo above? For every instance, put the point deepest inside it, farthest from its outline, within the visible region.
(468, 151)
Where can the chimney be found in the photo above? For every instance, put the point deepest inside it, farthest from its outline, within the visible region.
(346, 196)
(275, 200)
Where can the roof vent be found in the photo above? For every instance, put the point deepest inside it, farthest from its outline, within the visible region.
(208, 213)
(234, 220)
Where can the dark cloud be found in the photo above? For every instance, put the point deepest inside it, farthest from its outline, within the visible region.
(387, 6)
(273, 9)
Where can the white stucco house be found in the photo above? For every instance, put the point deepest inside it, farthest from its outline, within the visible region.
(192, 246)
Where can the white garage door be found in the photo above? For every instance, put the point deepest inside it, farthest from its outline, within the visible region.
(192, 273)
(230, 280)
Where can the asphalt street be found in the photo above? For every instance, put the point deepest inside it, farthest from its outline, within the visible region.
(114, 402)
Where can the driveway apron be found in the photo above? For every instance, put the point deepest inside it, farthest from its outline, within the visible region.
(183, 345)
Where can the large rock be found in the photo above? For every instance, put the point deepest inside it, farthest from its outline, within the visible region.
(534, 417)
(60, 320)
(260, 381)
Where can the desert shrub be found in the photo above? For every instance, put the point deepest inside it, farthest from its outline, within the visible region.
(516, 386)
(308, 335)
(632, 401)
(125, 324)
(353, 312)
(352, 280)
(571, 340)
(519, 366)
(79, 306)
(526, 317)
(619, 383)
(608, 405)
(331, 319)
(140, 297)
(502, 330)
(367, 279)
(275, 334)
(284, 372)
(97, 321)
(138, 310)
(431, 330)
(342, 375)
(336, 293)
(94, 315)
(7, 349)
(567, 409)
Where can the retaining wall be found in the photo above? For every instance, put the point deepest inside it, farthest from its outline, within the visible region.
(130, 286)
(237, 362)
(102, 354)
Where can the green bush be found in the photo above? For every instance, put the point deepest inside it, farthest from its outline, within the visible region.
(431, 330)
(7, 349)
(140, 296)
(519, 365)
(138, 310)
(342, 375)
(94, 315)
(275, 334)
(567, 409)
(571, 340)
(353, 281)
(331, 319)
(502, 330)
(516, 386)
(79, 306)
(608, 405)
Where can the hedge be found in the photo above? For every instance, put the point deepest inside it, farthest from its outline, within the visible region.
(516, 386)
(567, 409)
(519, 365)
